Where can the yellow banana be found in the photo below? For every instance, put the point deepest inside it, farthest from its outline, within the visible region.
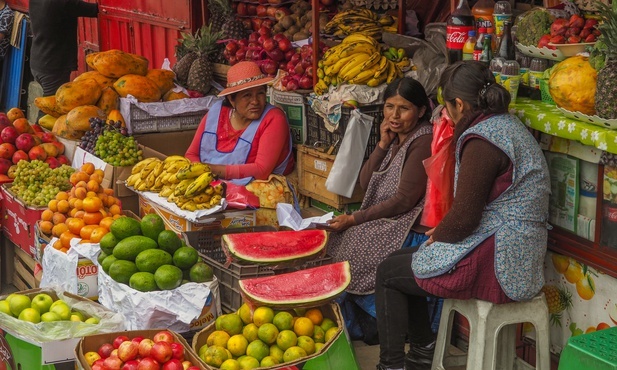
(130, 181)
(336, 67)
(358, 48)
(399, 73)
(174, 166)
(404, 65)
(209, 190)
(189, 206)
(157, 183)
(173, 179)
(353, 63)
(141, 186)
(137, 182)
(205, 205)
(372, 61)
(215, 200)
(320, 87)
(180, 201)
(391, 72)
(325, 59)
(150, 180)
(376, 81)
(385, 20)
(359, 37)
(182, 186)
(166, 191)
(201, 198)
(173, 158)
(192, 171)
(158, 169)
(148, 168)
(199, 184)
(363, 76)
(390, 29)
(383, 66)
(219, 189)
(140, 165)
(165, 178)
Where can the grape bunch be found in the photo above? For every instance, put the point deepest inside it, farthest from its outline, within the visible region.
(97, 127)
(36, 183)
(117, 149)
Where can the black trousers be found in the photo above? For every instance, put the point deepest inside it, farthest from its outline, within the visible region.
(51, 81)
(402, 308)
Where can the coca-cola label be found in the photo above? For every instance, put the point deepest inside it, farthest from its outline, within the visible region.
(611, 214)
(456, 36)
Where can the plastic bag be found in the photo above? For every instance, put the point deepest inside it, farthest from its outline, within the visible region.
(239, 197)
(272, 191)
(440, 170)
(346, 167)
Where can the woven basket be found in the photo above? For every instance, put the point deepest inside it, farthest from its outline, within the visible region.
(544, 90)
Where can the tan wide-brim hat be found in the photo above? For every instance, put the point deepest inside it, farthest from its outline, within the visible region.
(244, 75)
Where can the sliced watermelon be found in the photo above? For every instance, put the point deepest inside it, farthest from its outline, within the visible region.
(269, 247)
(309, 287)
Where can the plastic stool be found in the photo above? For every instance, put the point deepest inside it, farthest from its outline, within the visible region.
(591, 351)
(492, 338)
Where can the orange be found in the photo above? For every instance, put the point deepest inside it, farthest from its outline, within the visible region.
(64, 250)
(82, 176)
(92, 218)
(73, 212)
(57, 245)
(53, 205)
(86, 231)
(79, 204)
(97, 234)
(73, 178)
(45, 227)
(92, 204)
(75, 225)
(47, 215)
(303, 326)
(110, 201)
(63, 206)
(65, 239)
(87, 168)
(106, 222)
(92, 185)
(81, 184)
(63, 195)
(84, 241)
(15, 113)
(115, 209)
(81, 192)
(58, 218)
(315, 315)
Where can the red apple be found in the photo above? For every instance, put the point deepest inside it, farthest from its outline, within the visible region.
(265, 31)
(48, 137)
(163, 336)
(306, 62)
(130, 365)
(285, 44)
(177, 351)
(137, 339)
(9, 134)
(262, 10)
(292, 85)
(4, 121)
(243, 43)
(275, 2)
(148, 364)
(240, 54)
(276, 55)
(271, 11)
(256, 54)
(241, 10)
(7, 150)
(25, 142)
(105, 350)
(253, 37)
(145, 346)
(289, 54)
(251, 9)
(269, 23)
(269, 67)
(305, 82)
(5, 164)
(278, 37)
(269, 44)
(173, 364)
(295, 58)
(63, 159)
(161, 351)
(281, 12)
(299, 69)
(309, 71)
(53, 162)
(112, 363)
(128, 350)
(118, 340)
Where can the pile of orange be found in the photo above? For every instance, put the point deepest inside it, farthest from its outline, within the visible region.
(86, 211)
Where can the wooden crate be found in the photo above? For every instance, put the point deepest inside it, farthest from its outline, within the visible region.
(220, 73)
(313, 169)
(20, 269)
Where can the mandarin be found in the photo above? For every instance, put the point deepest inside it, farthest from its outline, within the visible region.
(115, 209)
(93, 185)
(92, 218)
(63, 206)
(58, 218)
(53, 205)
(81, 192)
(108, 191)
(57, 245)
(110, 201)
(63, 195)
(45, 227)
(99, 172)
(97, 234)
(73, 212)
(87, 168)
(81, 184)
(106, 222)
(47, 215)
(65, 239)
(75, 225)
(80, 214)
(86, 231)
(92, 204)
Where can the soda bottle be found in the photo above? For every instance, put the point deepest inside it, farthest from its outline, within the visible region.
(459, 23)
(483, 13)
(487, 53)
(506, 48)
(469, 45)
(491, 31)
(477, 50)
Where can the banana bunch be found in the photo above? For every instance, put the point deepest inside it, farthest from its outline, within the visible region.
(357, 20)
(399, 57)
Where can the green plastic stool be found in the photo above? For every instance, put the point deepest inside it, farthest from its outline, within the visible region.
(592, 351)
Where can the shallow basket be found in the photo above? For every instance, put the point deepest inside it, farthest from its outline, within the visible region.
(544, 90)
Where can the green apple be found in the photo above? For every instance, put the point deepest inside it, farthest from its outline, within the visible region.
(76, 318)
(30, 314)
(4, 307)
(57, 302)
(42, 302)
(92, 320)
(61, 309)
(18, 303)
(50, 316)
(8, 298)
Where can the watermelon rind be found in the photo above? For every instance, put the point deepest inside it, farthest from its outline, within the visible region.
(321, 285)
(271, 247)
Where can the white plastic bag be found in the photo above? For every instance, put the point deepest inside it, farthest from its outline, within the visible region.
(59, 267)
(344, 173)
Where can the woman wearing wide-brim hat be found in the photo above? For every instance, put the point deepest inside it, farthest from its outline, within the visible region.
(243, 137)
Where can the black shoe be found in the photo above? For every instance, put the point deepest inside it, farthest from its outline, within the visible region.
(420, 358)
(383, 367)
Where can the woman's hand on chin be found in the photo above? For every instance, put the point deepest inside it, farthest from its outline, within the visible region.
(342, 222)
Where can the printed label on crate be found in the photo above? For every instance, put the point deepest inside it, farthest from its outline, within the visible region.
(320, 165)
(6, 355)
(87, 279)
(293, 106)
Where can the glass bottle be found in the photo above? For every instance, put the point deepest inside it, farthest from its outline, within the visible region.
(487, 52)
(460, 22)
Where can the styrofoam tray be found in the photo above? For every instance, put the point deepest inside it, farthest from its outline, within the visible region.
(545, 53)
(594, 120)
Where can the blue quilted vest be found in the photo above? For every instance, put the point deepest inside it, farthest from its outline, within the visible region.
(517, 218)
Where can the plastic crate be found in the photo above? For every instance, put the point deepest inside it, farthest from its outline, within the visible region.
(595, 350)
(142, 122)
(208, 245)
(544, 90)
(318, 135)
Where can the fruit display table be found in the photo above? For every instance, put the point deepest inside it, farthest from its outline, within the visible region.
(548, 119)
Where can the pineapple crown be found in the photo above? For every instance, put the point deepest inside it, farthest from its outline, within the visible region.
(608, 27)
(224, 6)
(202, 42)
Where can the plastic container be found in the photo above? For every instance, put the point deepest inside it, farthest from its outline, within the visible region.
(525, 62)
(536, 72)
(595, 350)
(483, 13)
(469, 45)
(496, 66)
(544, 92)
(510, 78)
(502, 12)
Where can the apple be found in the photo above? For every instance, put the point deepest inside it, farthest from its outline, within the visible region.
(269, 67)
(128, 350)
(25, 142)
(62, 309)
(9, 134)
(173, 364)
(112, 363)
(98, 365)
(271, 11)
(63, 159)
(265, 31)
(276, 55)
(18, 303)
(42, 302)
(130, 365)
(50, 316)
(161, 351)
(262, 11)
(105, 350)
(78, 316)
(5, 165)
(4, 307)
(256, 23)
(241, 9)
(251, 9)
(177, 351)
(7, 150)
(4, 121)
(148, 363)
(30, 314)
(187, 364)
(91, 357)
(270, 44)
(118, 340)
(285, 44)
(145, 346)
(281, 12)
(137, 339)
(92, 320)
(305, 82)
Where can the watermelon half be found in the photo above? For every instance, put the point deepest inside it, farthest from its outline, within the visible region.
(268, 247)
(303, 288)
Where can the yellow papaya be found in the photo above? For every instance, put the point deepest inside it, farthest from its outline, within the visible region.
(47, 105)
(572, 85)
(116, 63)
(116, 116)
(104, 81)
(142, 88)
(172, 95)
(62, 129)
(163, 78)
(77, 93)
(108, 100)
(47, 122)
(90, 59)
(78, 119)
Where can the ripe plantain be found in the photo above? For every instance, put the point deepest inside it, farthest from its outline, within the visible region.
(199, 184)
(140, 165)
(192, 171)
(182, 186)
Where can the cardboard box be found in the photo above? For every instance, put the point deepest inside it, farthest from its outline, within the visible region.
(19, 219)
(168, 143)
(313, 170)
(293, 105)
(93, 342)
(221, 220)
(337, 351)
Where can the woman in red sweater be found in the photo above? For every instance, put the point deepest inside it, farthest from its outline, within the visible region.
(243, 137)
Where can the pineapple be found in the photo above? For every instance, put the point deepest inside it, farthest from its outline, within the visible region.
(185, 56)
(558, 300)
(224, 19)
(201, 70)
(606, 89)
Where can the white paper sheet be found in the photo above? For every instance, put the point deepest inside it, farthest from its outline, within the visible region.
(288, 216)
(198, 216)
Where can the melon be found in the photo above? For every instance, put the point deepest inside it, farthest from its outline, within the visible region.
(275, 246)
(303, 288)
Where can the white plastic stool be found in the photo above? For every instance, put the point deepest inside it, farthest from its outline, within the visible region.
(492, 337)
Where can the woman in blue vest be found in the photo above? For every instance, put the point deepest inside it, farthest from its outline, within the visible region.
(243, 137)
(491, 243)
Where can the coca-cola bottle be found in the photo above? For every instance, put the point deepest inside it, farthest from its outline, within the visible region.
(461, 21)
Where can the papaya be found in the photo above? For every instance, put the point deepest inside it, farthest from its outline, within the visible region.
(47, 105)
(108, 100)
(163, 78)
(104, 81)
(172, 95)
(142, 88)
(47, 122)
(90, 59)
(572, 85)
(78, 118)
(63, 130)
(116, 63)
(116, 116)
(76, 93)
